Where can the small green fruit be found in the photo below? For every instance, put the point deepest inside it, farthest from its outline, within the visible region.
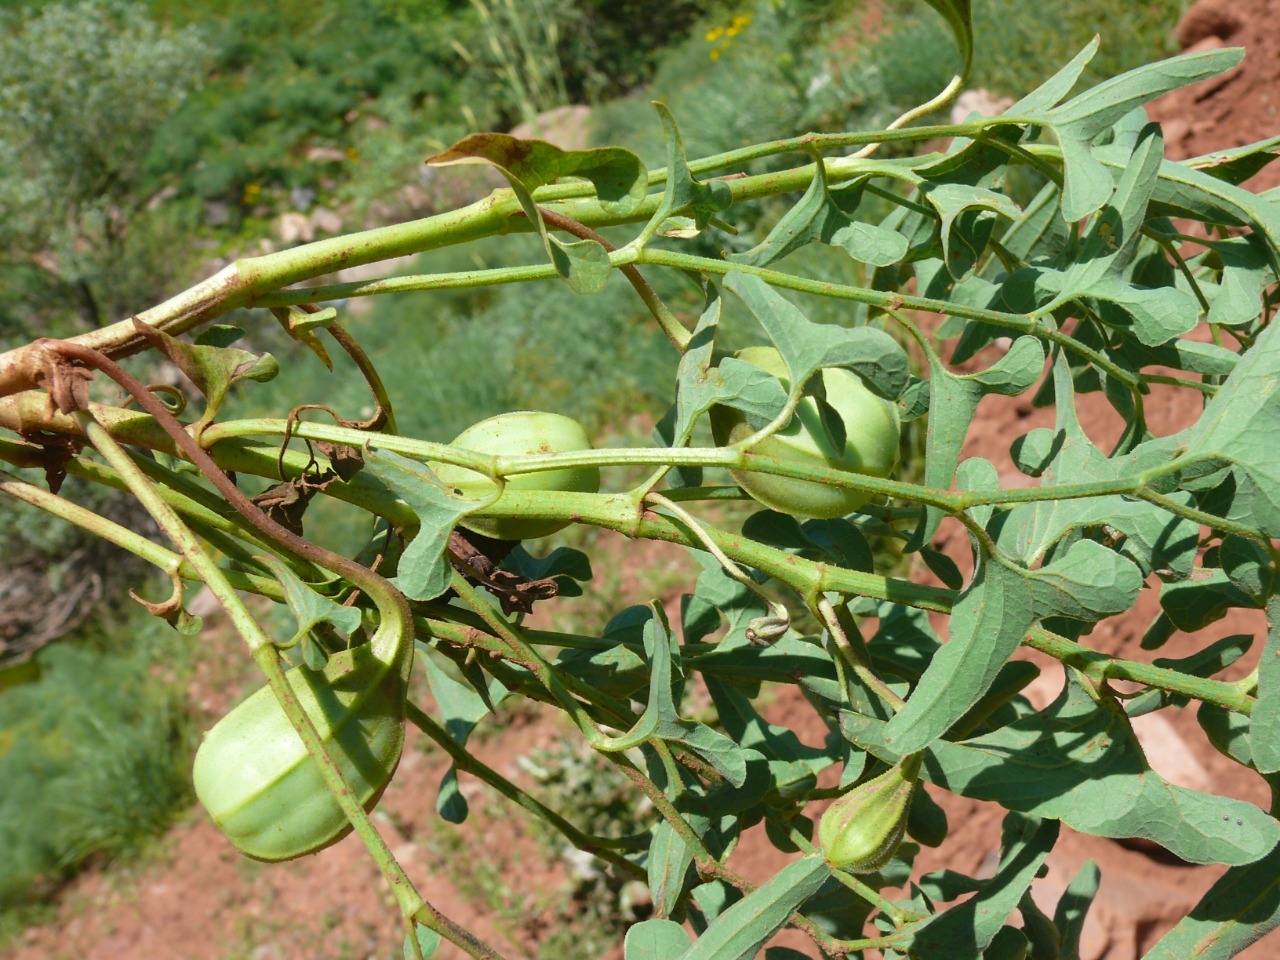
(256, 780)
(872, 438)
(512, 434)
(861, 831)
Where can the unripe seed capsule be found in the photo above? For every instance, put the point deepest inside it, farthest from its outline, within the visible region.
(860, 832)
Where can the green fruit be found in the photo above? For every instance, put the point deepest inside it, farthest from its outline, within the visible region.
(861, 831)
(512, 434)
(261, 787)
(872, 438)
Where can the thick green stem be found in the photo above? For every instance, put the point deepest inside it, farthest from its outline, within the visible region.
(1099, 666)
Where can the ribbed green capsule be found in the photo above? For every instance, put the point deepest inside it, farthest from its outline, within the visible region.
(860, 832)
(255, 778)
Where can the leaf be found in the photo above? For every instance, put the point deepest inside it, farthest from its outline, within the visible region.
(953, 401)
(1264, 732)
(987, 626)
(968, 215)
(1238, 424)
(462, 710)
(1088, 583)
(1110, 246)
(817, 217)
(213, 369)
(1073, 907)
(1089, 114)
(793, 767)
(668, 870)
(959, 17)
(968, 929)
(1049, 93)
(806, 346)
(428, 942)
(1202, 599)
(424, 571)
(620, 178)
(584, 264)
(741, 930)
(1240, 908)
(655, 940)
(700, 386)
(567, 566)
(310, 609)
(683, 193)
(1156, 539)
(1080, 120)
(1078, 761)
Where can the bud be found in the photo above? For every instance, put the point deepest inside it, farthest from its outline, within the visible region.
(763, 631)
(860, 831)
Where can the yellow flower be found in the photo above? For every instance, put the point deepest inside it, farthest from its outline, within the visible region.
(715, 34)
(715, 54)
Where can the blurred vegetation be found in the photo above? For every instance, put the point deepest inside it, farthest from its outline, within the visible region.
(147, 143)
(94, 757)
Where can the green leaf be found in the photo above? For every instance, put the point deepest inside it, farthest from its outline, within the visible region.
(584, 264)
(1051, 92)
(309, 607)
(1202, 599)
(817, 217)
(1156, 539)
(567, 566)
(1073, 907)
(806, 346)
(1227, 731)
(1264, 732)
(668, 871)
(968, 929)
(1237, 165)
(1110, 246)
(1080, 120)
(1097, 109)
(794, 767)
(683, 193)
(1088, 583)
(1034, 451)
(1240, 908)
(1238, 424)
(619, 176)
(655, 940)
(953, 401)
(213, 369)
(221, 334)
(700, 386)
(428, 942)
(987, 626)
(424, 571)
(1078, 761)
(741, 930)
(959, 17)
(462, 710)
(968, 215)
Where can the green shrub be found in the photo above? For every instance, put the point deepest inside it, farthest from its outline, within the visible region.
(94, 755)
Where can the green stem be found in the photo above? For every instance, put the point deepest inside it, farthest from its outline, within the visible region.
(891, 301)
(85, 519)
(1099, 666)
(465, 761)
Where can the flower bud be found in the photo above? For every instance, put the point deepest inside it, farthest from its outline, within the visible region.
(860, 831)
